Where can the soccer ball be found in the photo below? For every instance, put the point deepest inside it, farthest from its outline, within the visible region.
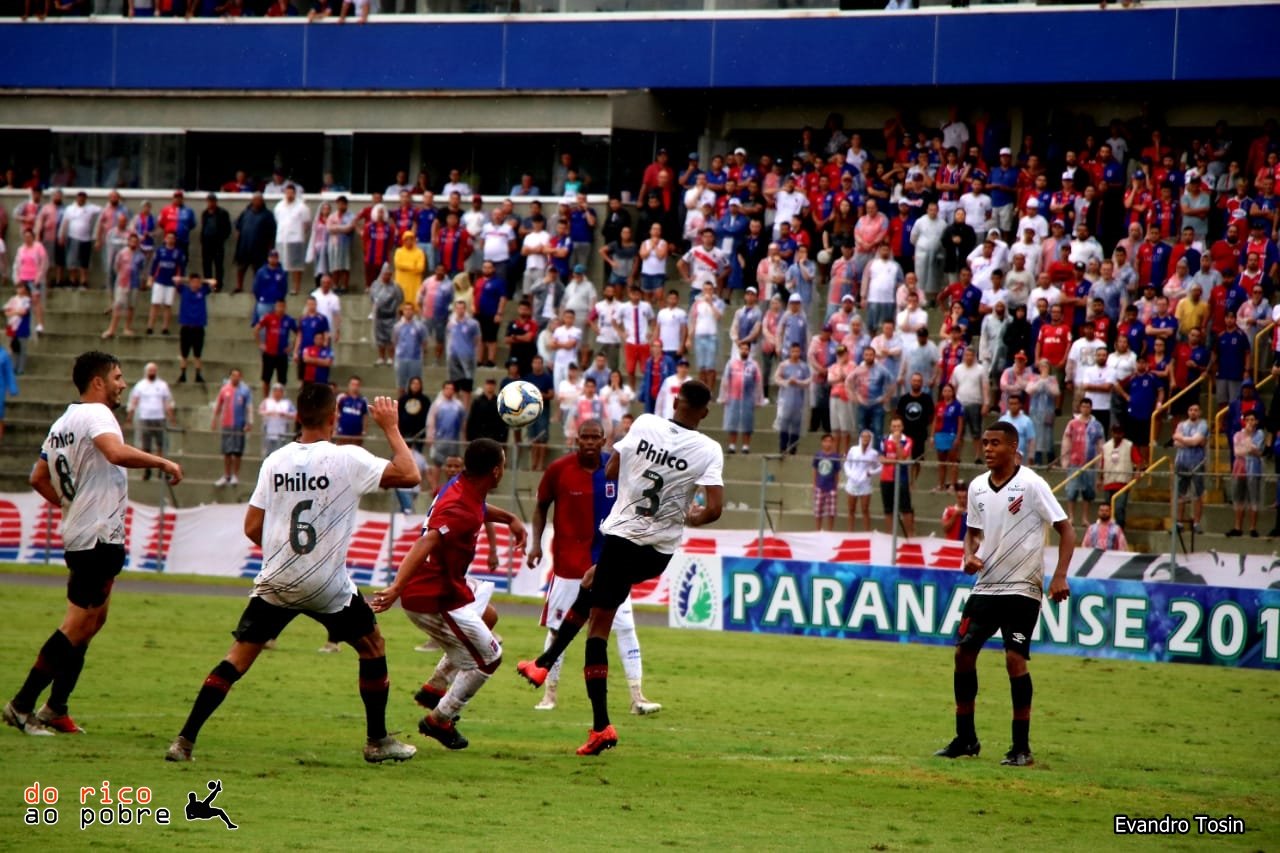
(824, 257)
(519, 403)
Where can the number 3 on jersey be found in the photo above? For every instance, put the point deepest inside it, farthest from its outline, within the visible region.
(302, 535)
(653, 494)
(66, 483)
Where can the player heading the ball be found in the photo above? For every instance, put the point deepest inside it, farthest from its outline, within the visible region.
(659, 465)
(302, 513)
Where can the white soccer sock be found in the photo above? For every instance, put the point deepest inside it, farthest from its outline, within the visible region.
(444, 674)
(464, 686)
(629, 651)
(553, 674)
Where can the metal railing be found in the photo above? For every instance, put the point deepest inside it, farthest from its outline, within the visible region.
(1083, 469)
(1137, 478)
(1166, 405)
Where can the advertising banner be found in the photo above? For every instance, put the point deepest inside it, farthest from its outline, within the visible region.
(1131, 620)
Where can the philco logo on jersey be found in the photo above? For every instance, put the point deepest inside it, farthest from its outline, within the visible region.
(659, 456)
(299, 483)
(59, 440)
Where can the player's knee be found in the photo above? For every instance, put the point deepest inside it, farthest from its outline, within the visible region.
(371, 645)
(492, 666)
(1015, 664)
(966, 659)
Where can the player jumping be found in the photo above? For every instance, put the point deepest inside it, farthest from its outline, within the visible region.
(80, 470)
(659, 465)
(1009, 508)
(583, 498)
(302, 513)
(432, 581)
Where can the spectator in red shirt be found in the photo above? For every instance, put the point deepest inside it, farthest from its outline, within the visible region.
(650, 180)
(1226, 252)
(1054, 342)
(274, 332)
(379, 244)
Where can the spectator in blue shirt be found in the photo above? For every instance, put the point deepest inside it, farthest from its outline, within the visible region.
(491, 301)
(1003, 187)
(1246, 474)
(444, 431)
(270, 285)
(193, 318)
(1024, 425)
(352, 410)
(168, 265)
(1145, 392)
(410, 340)
(309, 324)
(1231, 358)
(582, 229)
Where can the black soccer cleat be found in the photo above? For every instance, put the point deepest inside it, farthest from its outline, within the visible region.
(449, 736)
(959, 749)
(1018, 758)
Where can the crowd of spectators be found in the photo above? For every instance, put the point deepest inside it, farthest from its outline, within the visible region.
(1073, 290)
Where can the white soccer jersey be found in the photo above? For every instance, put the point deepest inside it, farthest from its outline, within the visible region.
(662, 465)
(94, 492)
(310, 493)
(1012, 521)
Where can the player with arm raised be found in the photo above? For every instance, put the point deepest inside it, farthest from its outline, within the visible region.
(302, 514)
(81, 470)
(659, 465)
(1009, 508)
(432, 584)
(583, 499)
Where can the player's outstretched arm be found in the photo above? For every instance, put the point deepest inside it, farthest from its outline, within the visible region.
(700, 515)
(42, 482)
(119, 453)
(1059, 590)
(500, 516)
(401, 472)
(409, 566)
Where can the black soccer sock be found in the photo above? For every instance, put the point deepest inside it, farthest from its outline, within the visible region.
(65, 680)
(596, 674)
(1020, 692)
(965, 685)
(374, 686)
(211, 694)
(569, 628)
(53, 656)
(333, 638)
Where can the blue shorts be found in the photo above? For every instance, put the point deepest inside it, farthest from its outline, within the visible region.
(944, 441)
(704, 351)
(740, 416)
(650, 283)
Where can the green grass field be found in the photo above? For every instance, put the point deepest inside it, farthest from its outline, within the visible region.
(766, 743)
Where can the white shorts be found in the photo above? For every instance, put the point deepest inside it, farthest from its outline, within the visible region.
(162, 294)
(842, 419)
(1004, 218)
(561, 595)
(462, 634)
(483, 591)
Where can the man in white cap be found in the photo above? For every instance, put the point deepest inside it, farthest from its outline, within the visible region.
(1003, 186)
(1063, 204)
(1033, 220)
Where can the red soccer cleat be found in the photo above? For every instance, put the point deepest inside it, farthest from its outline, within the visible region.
(531, 672)
(60, 723)
(598, 742)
